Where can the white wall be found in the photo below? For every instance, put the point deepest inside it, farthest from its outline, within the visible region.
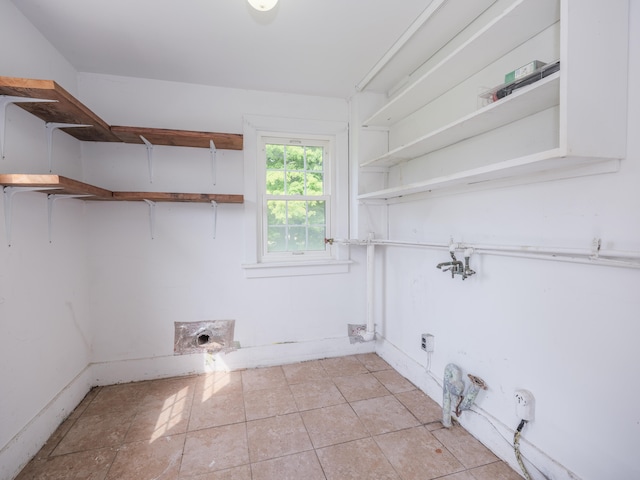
(140, 286)
(44, 320)
(567, 332)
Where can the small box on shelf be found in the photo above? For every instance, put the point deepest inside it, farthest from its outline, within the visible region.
(523, 71)
(507, 88)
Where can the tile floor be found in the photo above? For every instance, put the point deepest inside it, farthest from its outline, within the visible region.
(336, 419)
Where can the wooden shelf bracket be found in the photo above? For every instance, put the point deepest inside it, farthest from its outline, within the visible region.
(9, 192)
(6, 100)
(51, 200)
(50, 127)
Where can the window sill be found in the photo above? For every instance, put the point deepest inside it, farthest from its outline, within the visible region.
(290, 269)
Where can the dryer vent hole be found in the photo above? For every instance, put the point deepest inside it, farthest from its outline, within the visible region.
(203, 339)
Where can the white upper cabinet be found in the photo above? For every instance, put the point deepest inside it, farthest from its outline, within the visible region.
(571, 122)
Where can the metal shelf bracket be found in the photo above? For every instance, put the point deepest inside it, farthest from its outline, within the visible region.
(6, 100)
(152, 217)
(214, 161)
(214, 206)
(51, 199)
(50, 127)
(149, 146)
(9, 192)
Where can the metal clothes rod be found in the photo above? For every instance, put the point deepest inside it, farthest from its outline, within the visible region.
(593, 256)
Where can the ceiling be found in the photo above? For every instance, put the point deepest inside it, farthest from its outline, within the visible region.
(316, 47)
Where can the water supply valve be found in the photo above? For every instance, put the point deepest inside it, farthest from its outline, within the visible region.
(455, 266)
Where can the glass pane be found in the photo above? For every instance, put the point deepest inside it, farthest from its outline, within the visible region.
(275, 182)
(297, 238)
(314, 158)
(316, 212)
(295, 183)
(316, 238)
(277, 239)
(314, 184)
(275, 157)
(297, 213)
(295, 157)
(276, 212)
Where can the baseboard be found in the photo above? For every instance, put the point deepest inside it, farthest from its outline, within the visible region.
(494, 434)
(23, 446)
(133, 370)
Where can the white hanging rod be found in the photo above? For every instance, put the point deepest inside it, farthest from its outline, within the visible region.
(593, 256)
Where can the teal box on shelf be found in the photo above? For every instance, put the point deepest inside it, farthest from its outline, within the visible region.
(523, 71)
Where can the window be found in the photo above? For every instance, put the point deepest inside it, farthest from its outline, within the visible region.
(316, 176)
(296, 186)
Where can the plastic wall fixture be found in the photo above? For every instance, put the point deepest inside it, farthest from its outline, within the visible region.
(263, 5)
(453, 389)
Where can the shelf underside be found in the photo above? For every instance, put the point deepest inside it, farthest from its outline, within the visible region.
(64, 109)
(178, 138)
(517, 24)
(529, 100)
(55, 184)
(549, 165)
(67, 109)
(58, 184)
(178, 197)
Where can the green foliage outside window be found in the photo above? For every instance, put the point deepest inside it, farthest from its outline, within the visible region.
(295, 224)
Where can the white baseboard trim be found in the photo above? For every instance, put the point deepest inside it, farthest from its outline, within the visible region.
(28, 441)
(494, 434)
(134, 370)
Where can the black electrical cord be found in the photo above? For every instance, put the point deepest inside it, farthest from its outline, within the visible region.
(516, 448)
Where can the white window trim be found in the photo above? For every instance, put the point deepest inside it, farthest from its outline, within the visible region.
(254, 128)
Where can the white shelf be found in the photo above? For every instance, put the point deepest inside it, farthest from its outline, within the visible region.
(523, 102)
(550, 162)
(518, 23)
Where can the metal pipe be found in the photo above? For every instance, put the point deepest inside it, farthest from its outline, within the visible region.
(371, 251)
(595, 256)
(453, 386)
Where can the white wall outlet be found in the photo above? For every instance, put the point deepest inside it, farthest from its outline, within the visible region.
(525, 405)
(427, 342)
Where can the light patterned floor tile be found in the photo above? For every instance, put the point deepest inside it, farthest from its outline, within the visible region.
(299, 466)
(357, 460)
(276, 437)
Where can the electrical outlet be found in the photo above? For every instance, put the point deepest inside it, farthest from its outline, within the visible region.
(525, 405)
(427, 342)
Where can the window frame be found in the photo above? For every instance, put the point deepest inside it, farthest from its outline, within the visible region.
(254, 128)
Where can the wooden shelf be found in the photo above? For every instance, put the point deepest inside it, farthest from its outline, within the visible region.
(518, 23)
(524, 102)
(62, 185)
(66, 186)
(178, 197)
(65, 109)
(178, 138)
